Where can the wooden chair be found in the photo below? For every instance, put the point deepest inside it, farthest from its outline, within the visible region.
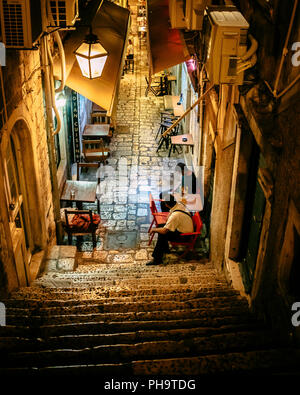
(191, 241)
(100, 117)
(154, 88)
(159, 218)
(99, 114)
(95, 151)
(83, 165)
(167, 139)
(82, 222)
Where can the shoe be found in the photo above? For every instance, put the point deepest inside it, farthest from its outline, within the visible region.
(153, 263)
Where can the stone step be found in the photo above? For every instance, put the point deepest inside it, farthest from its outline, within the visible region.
(131, 270)
(134, 284)
(36, 303)
(262, 362)
(122, 306)
(130, 315)
(141, 268)
(116, 353)
(90, 340)
(258, 361)
(94, 292)
(89, 277)
(97, 280)
(96, 327)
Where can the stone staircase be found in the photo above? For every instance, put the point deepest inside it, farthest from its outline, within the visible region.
(132, 319)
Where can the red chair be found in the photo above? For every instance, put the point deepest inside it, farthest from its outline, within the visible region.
(159, 217)
(190, 244)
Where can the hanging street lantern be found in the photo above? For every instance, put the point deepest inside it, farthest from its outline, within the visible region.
(91, 56)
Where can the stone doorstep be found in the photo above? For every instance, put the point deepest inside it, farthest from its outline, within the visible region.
(61, 251)
(61, 258)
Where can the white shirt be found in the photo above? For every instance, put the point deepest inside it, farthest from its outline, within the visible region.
(130, 49)
(179, 221)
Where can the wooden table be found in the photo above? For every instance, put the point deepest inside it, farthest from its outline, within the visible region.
(97, 131)
(193, 202)
(165, 83)
(84, 192)
(178, 140)
(177, 109)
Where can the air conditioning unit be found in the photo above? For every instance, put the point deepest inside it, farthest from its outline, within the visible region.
(176, 12)
(225, 41)
(17, 28)
(64, 12)
(194, 13)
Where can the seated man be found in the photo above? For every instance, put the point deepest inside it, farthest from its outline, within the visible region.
(179, 221)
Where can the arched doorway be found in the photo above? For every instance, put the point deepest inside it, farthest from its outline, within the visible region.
(21, 198)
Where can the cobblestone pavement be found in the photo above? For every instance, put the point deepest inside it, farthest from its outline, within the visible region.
(134, 169)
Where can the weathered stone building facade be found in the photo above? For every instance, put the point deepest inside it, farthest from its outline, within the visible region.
(27, 220)
(247, 141)
(250, 153)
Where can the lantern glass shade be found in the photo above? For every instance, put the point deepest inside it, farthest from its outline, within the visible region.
(91, 57)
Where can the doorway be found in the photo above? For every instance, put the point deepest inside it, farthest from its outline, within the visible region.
(17, 183)
(253, 220)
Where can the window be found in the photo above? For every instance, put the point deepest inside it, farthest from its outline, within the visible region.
(57, 150)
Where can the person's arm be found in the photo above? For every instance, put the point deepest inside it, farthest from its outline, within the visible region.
(162, 231)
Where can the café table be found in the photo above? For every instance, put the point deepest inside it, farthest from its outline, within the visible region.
(165, 81)
(182, 140)
(80, 192)
(193, 202)
(97, 131)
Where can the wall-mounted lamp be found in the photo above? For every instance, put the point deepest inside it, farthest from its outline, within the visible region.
(60, 100)
(91, 56)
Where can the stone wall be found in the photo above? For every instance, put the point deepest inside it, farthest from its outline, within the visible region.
(274, 124)
(24, 97)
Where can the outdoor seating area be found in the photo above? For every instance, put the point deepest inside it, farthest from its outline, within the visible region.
(95, 140)
(126, 201)
(160, 84)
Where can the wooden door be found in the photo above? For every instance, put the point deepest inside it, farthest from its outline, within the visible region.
(256, 220)
(16, 207)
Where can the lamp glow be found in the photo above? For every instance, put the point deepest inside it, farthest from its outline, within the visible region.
(91, 57)
(60, 100)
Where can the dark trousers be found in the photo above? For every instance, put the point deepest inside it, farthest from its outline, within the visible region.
(162, 245)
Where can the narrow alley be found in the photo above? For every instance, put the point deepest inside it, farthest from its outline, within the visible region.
(103, 311)
(149, 190)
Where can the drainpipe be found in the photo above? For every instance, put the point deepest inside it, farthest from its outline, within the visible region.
(3, 94)
(50, 138)
(284, 53)
(187, 112)
(201, 115)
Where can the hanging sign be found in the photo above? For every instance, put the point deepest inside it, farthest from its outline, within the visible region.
(75, 127)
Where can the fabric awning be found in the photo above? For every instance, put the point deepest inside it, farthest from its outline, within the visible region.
(166, 46)
(110, 23)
